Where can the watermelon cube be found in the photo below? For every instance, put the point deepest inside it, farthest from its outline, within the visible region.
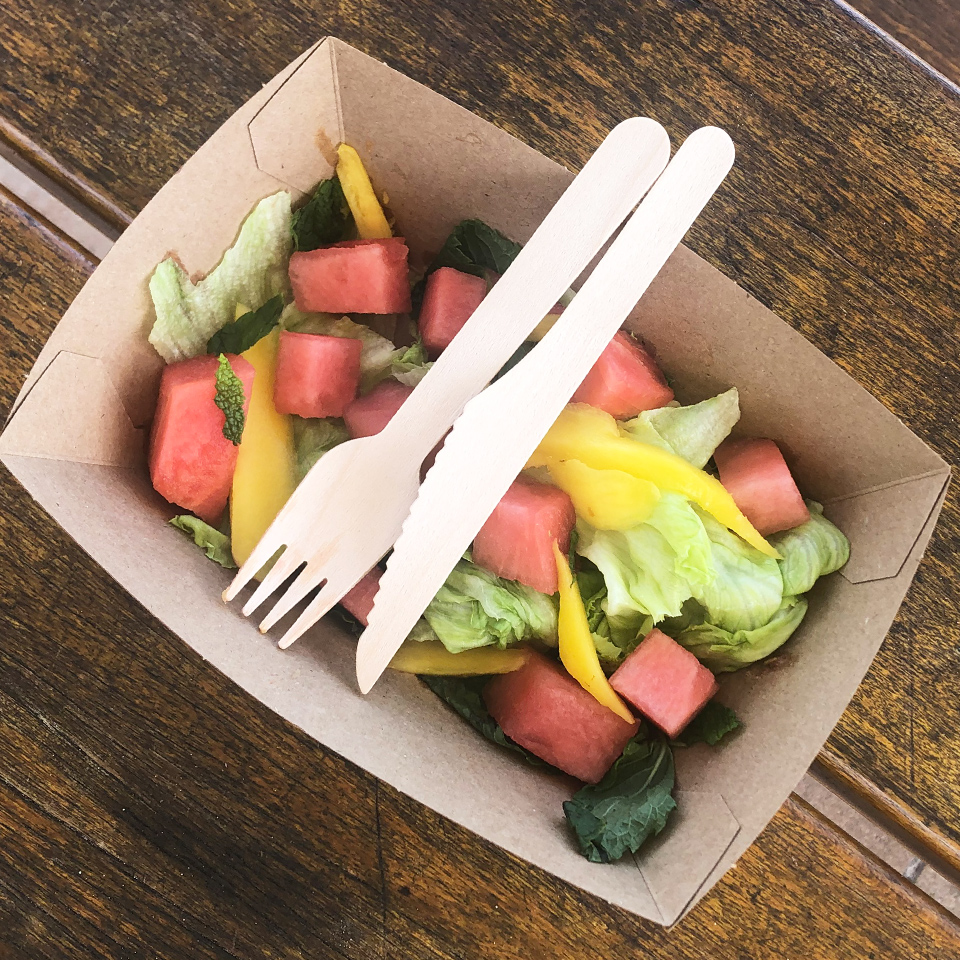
(369, 414)
(449, 299)
(666, 683)
(516, 542)
(356, 276)
(191, 461)
(624, 381)
(358, 600)
(316, 376)
(759, 480)
(541, 707)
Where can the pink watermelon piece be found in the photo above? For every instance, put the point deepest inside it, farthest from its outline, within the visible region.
(369, 414)
(317, 376)
(666, 683)
(358, 600)
(759, 480)
(449, 299)
(516, 542)
(624, 381)
(191, 461)
(545, 710)
(356, 276)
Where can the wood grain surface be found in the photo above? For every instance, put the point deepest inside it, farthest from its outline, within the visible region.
(930, 28)
(149, 808)
(841, 213)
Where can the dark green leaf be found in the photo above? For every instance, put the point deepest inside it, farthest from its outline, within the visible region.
(473, 247)
(522, 351)
(630, 804)
(710, 726)
(215, 545)
(465, 695)
(242, 333)
(230, 399)
(324, 218)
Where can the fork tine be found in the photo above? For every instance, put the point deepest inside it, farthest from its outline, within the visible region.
(306, 580)
(287, 562)
(261, 553)
(321, 604)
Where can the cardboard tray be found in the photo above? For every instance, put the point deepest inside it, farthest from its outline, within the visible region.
(76, 442)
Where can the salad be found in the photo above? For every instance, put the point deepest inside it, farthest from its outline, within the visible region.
(641, 553)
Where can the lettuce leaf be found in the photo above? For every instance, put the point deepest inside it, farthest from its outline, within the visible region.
(692, 432)
(410, 364)
(747, 588)
(465, 695)
(215, 545)
(324, 218)
(252, 271)
(312, 438)
(650, 569)
(377, 354)
(709, 726)
(241, 334)
(474, 608)
(631, 803)
(810, 551)
(724, 651)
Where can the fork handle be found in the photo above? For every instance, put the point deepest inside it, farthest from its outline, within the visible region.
(610, 185)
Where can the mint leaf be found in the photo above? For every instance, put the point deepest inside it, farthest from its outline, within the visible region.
(324, 218)
(465, 695)
(631, 803)
(241, 334)
(215, 545)
(710, 726)
(230, 399)
(474, 247)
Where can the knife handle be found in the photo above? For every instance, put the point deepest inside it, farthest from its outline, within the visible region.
(610, 185)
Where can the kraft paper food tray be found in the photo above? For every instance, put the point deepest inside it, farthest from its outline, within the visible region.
(76, 441)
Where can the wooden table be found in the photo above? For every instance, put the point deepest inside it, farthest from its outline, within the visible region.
(149, 808)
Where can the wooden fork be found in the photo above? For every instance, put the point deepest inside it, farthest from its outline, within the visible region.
(500, 428)
(349, 510)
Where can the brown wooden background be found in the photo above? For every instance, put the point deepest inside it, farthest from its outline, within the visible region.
(149, 808)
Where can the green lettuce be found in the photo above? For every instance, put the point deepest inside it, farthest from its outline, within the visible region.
(474, 608)
(252, 271)
(650, 569)
(410, 364)
(313, 438)
(324, 218)
(810, 551)
(747, 588)
(631, 803)
(215, 545)
(692, 432)
(377, 353)
(724, 651)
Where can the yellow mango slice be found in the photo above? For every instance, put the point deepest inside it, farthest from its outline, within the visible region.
(265, 475)
(364, 205)
(543, 327)
(593, 437)
(433, 658)
(577, 652)
(606, 499)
